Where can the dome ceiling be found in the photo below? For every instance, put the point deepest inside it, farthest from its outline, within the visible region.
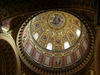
(55, 30)
(53, 40)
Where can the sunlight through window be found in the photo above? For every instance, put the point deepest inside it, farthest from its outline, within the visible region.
(66, 45)
(36, 35)
(78, 32)
(49, 46)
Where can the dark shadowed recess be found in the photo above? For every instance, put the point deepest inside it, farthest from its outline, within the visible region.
(34, 5)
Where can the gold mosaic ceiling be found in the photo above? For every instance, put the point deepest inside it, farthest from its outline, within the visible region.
(53, 39)
(55, 30)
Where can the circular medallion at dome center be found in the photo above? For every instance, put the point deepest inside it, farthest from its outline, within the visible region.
(56, 20)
